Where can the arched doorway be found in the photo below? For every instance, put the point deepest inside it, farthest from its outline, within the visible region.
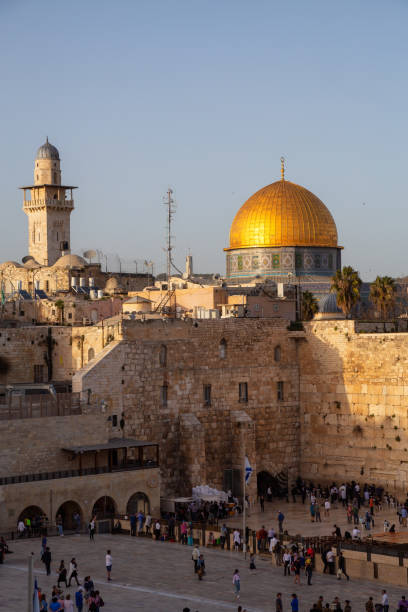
(67, 511)
(138, 502)
(278, 483)
(104, 507)
(32, 513)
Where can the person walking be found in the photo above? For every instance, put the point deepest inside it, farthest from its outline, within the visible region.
(236, 581)
(92, 529)
(200, 567)
(237, 539)
(342, 567)
(73, 572)
(46, 559)
(223, 537)
(278, 603)
(108, 563)
(296, 569)
(62, 574)
(385, 601)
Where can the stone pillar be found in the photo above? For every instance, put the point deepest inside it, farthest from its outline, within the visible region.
(192, 452)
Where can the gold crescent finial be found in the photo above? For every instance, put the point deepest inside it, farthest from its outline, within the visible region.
(282, 168)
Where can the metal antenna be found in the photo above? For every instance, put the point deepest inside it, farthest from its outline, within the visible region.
(169, 202)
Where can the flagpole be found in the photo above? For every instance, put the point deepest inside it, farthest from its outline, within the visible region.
(244, 509)
(30, 583)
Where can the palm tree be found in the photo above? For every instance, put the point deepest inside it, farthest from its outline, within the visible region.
(309, 306)
(382, 294)
(346, 284)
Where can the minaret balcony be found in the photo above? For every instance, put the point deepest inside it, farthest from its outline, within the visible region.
(48, 203)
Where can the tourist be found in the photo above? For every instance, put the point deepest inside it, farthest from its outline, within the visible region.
(157, 529)
(385, 601)
(356, 534)
(62, 574)
(281, 518)
(347, 607)
(92, 528)
(195, 556)
(46, 559)
(224, 535)
(79, 599)
(402, 604)
(286, 562)
(296, 569)
(236, 536)
(278, 603)
(252, 565)
(262, 503)
(327, 508)
(43, 603)
(148, 523)
(88, 586)
(309, 570)
(330, 560)
(369, 605)
(236, 581)
(108, 563)
(342, 567)
(318, 518)
(140, 519)
(200, 567)
(319, 604)
(294, 603)
(21, 528)
(59, 525)
(43, 544)
(68, 603)
(312, 512)
(55, 605)
(73, 572)
(132, 519)
(386, 525)
(183, 532)
(269, 494)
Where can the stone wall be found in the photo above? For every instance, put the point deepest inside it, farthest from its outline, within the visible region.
(354, 399)
(178, 358)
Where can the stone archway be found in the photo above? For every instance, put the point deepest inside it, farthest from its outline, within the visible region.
(138, 502)
(104, 508)
(278, 483)
(67, 510)
(31, 512)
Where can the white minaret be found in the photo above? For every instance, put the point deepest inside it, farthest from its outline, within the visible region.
(48, 209)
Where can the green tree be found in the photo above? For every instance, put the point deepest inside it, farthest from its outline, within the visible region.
(383, 294)
(309, 306)
(346, 284)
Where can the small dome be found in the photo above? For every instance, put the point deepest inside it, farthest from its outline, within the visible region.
(70, 261)
(113, 283)
(328, 304)
(47, 151)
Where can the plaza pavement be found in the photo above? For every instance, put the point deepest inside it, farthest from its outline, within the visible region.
(158, 576)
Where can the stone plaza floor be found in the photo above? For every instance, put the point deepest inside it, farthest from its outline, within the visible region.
(158, 576)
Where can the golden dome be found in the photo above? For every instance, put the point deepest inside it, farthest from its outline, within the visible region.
(283, 214)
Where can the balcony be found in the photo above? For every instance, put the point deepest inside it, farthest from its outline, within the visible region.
(39, 405)
(49, 202)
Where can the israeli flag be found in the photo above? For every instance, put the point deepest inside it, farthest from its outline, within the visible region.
(248, 470)
(36, 603)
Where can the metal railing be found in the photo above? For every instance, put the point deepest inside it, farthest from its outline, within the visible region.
(39, 405)
(23, 478)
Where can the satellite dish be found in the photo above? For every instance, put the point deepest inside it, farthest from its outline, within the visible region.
(90, 254)
(27, 258)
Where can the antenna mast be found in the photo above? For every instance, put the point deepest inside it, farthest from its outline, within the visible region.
(169, 202)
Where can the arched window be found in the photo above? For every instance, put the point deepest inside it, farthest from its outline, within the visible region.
(277, 353)
(163, 355)
(223, 349)
(91, 354)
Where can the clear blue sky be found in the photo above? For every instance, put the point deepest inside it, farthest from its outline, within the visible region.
(206, 96)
